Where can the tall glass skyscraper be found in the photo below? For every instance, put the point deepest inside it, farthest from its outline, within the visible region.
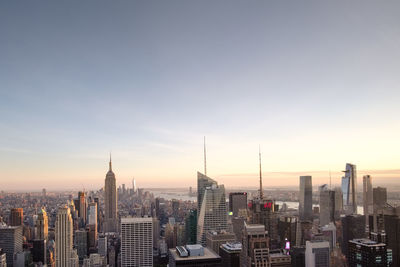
(213, 213)
(305, 198)
(349, 189)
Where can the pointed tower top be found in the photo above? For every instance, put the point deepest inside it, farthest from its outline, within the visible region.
(110, 167)
(261, 187)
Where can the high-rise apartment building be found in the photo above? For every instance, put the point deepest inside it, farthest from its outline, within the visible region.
(11, 242)
(110, 201)
(42, 225)
(64, 240)
(326, 205)
(255, 246)
(212, 215)
(317, 254)
(16, 217)
(136, 242)
(305, 198)
(349, 189)
(237, 202)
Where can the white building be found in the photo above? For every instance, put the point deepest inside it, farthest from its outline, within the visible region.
(317, 253)
(136, 242)
(64, 241)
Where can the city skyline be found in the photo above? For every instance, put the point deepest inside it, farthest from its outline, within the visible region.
(315, 84)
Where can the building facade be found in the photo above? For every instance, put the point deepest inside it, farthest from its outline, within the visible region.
(213, 214)
(136, 242)
(63, 237)
(305, 198)
(110, 201)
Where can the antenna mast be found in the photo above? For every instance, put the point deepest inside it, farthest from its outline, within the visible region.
(205, 157)
(261, 187)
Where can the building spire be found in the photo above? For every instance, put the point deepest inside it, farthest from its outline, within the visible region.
(205, 157)
(110, 167)
(261, 187)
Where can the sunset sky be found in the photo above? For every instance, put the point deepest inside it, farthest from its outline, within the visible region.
(315, 83)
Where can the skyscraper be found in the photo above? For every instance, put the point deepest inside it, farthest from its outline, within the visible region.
(326, 205)
(136, 242)
(10, 242)
(338, 202)
(212, 215)
(353, 226)
(110, 199)
(262, 210)
(191, 227)
(237, 201)
(64, 241)
(42, 225)
(16, 217)
(367, 199)
(202, 183)
(255, 247)
(349, 189)
(305, 198)
(81, 243)
(82, 206)
(92, 213)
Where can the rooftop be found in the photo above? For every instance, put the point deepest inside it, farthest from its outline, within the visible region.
(136, 219)
(366, 242)
(232, 246)
(208, 254)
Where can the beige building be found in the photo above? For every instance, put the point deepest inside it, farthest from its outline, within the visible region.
(110, 201)
(64, 240)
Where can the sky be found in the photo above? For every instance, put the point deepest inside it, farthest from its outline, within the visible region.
(315, 83)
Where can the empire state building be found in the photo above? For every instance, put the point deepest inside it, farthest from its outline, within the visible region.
(110, 199)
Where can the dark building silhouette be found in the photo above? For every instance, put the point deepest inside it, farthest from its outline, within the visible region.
(237, 201)
(39, 250)
(17, 217)
(353, 227)
(191, 227)
(305, 198)
(230, 254)
(367, 253)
